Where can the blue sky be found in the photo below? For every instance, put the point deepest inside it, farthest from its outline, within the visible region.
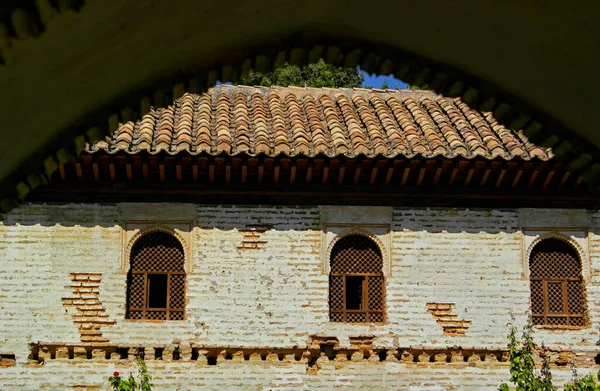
(373, 81)
(376, 81)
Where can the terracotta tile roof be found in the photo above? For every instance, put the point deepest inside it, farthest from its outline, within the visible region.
(312, 121)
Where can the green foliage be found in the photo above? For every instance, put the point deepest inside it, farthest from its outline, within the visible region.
(416, 87)
(522, 366)
(143, 382)
(313, 75)
(384, 85)
(587, 383)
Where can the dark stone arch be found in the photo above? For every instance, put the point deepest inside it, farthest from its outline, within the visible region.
(133, 76)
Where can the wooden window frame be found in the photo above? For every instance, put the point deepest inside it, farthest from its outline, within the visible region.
(144, 310)
(365, 299)
(144, 295)
(545, 294)
(379, 315)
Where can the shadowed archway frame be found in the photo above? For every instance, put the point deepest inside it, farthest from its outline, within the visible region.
(115, 68)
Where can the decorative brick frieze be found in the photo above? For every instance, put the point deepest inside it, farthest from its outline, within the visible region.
(213, 355)
(313, 354)
(316, 341)
(91, 315)
(443, 315)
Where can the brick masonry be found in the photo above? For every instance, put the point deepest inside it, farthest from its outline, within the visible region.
(275, 297)
(251, 238)
(90, 315)
(443, 315)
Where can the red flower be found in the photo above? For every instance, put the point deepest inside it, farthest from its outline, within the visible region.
(116, 374)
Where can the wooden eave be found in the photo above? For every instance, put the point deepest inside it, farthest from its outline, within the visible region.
(318, 180)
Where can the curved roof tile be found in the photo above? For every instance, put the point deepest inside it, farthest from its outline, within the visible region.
(312, 121)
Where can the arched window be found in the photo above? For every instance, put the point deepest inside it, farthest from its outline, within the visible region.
(356, 283)
(557, 293)
(156, 281)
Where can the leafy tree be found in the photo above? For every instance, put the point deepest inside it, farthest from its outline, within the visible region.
(416, 87)
(312, 75)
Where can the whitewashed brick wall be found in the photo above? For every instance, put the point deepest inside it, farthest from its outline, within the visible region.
(277, 296)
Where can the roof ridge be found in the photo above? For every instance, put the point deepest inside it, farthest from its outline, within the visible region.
(390, 91)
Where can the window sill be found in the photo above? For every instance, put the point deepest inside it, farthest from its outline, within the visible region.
(561, 328)
(153, 320)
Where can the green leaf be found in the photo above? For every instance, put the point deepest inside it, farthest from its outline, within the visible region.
(317, 75)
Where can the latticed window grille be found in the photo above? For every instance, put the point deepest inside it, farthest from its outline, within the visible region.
(557, 291)
(356, 283)
(156, 281)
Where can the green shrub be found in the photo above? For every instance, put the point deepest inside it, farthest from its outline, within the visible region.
(522, 366)
(143, 382)
(586, 383)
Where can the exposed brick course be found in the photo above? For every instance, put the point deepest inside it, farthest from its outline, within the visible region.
(252, 235)
(443, 314)
(90, 316)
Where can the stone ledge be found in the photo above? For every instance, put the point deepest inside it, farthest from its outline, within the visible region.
(316, 354)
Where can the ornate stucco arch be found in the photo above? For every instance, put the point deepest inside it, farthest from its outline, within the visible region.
(362, 232)
(581, 253)
(156, 228)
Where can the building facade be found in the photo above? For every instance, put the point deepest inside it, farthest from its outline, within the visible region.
(287, 239)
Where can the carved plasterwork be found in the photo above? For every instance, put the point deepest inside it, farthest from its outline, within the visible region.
(575, 237)
(133, 230)
(340, 221)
